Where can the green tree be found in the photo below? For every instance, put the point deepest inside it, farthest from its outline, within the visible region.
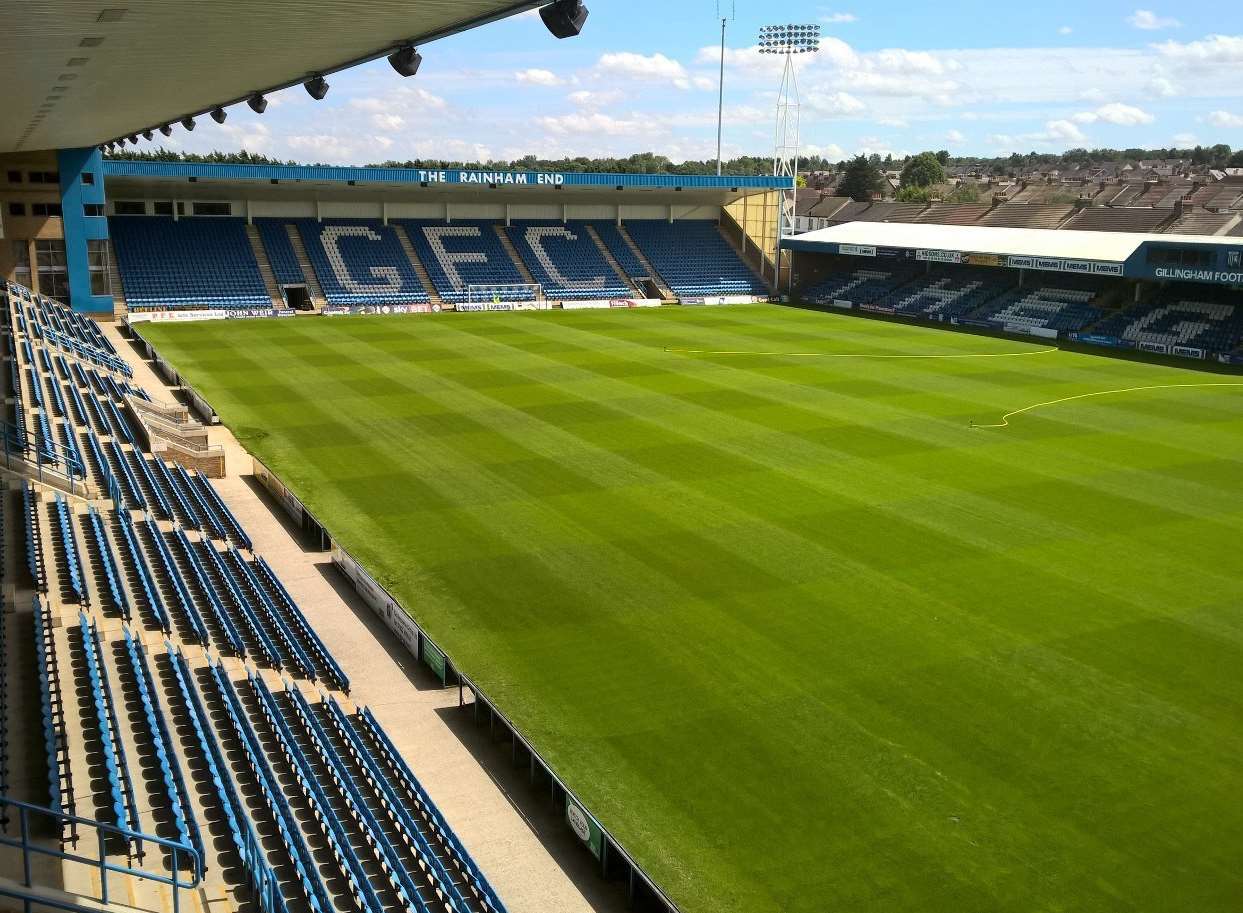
(1236, 160)
(913, 194)
(861, 180)
(943, 157)
(964, 193)
(922, 171)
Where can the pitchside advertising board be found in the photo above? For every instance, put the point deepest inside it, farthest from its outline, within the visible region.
(584, 827)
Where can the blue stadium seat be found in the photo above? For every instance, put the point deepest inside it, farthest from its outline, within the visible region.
(279, 248)
(124, 810)
(155, 612)
(187, 263)
(360, 261)
(565, 260)
(694, 259)
(463, 254)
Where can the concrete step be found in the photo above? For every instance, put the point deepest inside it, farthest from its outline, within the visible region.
(665, 291)
(265, 267)
(612, 261)
(313, 288)
(512, 251)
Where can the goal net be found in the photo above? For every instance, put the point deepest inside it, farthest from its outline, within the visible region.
(505, 296)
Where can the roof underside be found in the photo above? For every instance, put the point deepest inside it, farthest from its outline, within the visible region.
(1114, 247)
(78, 73)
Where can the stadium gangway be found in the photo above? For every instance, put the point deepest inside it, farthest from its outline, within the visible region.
(52, 713)
(244, 576)
(103, 548)
(116, 765)
(187, 511)
(406, 823)
(399, 878)
(335, 672)
(170, 770)
(188, 609)
(34, 538)
(308, 784)
(212, 497)
(34, 820)
(274, 798)
(163, 509)
(129, 486)
(249, 616)
(115, 491)
(262, 876)
(69, 543)
(150, 591)
(208, 523)
(414, 789)
(231, 634)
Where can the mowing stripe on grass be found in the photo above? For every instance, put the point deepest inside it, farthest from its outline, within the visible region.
(674, 351)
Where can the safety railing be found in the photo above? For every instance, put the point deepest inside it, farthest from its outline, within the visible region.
(33, 820)
(41, 458)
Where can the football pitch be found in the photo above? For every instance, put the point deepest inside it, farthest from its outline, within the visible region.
(800, 636)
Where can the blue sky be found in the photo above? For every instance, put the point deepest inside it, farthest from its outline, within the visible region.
(972, 77)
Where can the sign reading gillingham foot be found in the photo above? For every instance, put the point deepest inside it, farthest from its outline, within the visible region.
(584, 827)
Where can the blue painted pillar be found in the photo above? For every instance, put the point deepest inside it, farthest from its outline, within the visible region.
(75, 195)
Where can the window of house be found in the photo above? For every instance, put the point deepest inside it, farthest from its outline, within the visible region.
(21, 263)
(15, 177)
(17, 209)
(163, 207)
(45, 209)
(53, 271)
(132, 208)
(213, 209)
(93, 209)
(44, 177)
(88, 178)
(97, 254)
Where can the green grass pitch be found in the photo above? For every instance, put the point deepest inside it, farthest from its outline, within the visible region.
(802, 638)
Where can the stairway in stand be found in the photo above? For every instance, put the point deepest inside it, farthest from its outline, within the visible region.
(265, 267)
(119, 307)
(419, 269)
(304, 263)
(612, 261)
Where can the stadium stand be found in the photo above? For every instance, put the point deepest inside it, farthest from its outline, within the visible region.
(1066, 310)
(564, 259)
(860, 286)
(360, 262)
(151, 735)
(464, 254)
(1206, 318)
(942, 295)
(186, 263)
(694, 259)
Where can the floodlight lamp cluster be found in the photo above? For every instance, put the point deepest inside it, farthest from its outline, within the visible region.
(789, 39)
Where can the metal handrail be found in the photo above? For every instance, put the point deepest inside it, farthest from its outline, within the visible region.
(23, 842)
(45, 452)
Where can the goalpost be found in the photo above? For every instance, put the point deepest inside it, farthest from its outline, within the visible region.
(506, 297)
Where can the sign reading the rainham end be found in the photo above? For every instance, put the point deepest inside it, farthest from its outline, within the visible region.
(523, 178)
(584, 827)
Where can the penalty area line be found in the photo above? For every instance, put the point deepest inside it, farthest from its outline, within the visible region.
(675, 351)
(1005, 419)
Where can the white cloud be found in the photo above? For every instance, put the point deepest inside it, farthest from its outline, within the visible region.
(648, 68)
(1118, 114)
(1215, 49)
(836, 104)
(1064, 130)
(1225, 119)
(1151, 22)
(595, 123)
(1185, 140)
(538, 77)
(956, 137)
(839, 18)
(585, 98)
(1065, 30)
(1162, 87)
(388, 123)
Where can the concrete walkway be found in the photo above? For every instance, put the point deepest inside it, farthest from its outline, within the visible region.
(514, 834)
